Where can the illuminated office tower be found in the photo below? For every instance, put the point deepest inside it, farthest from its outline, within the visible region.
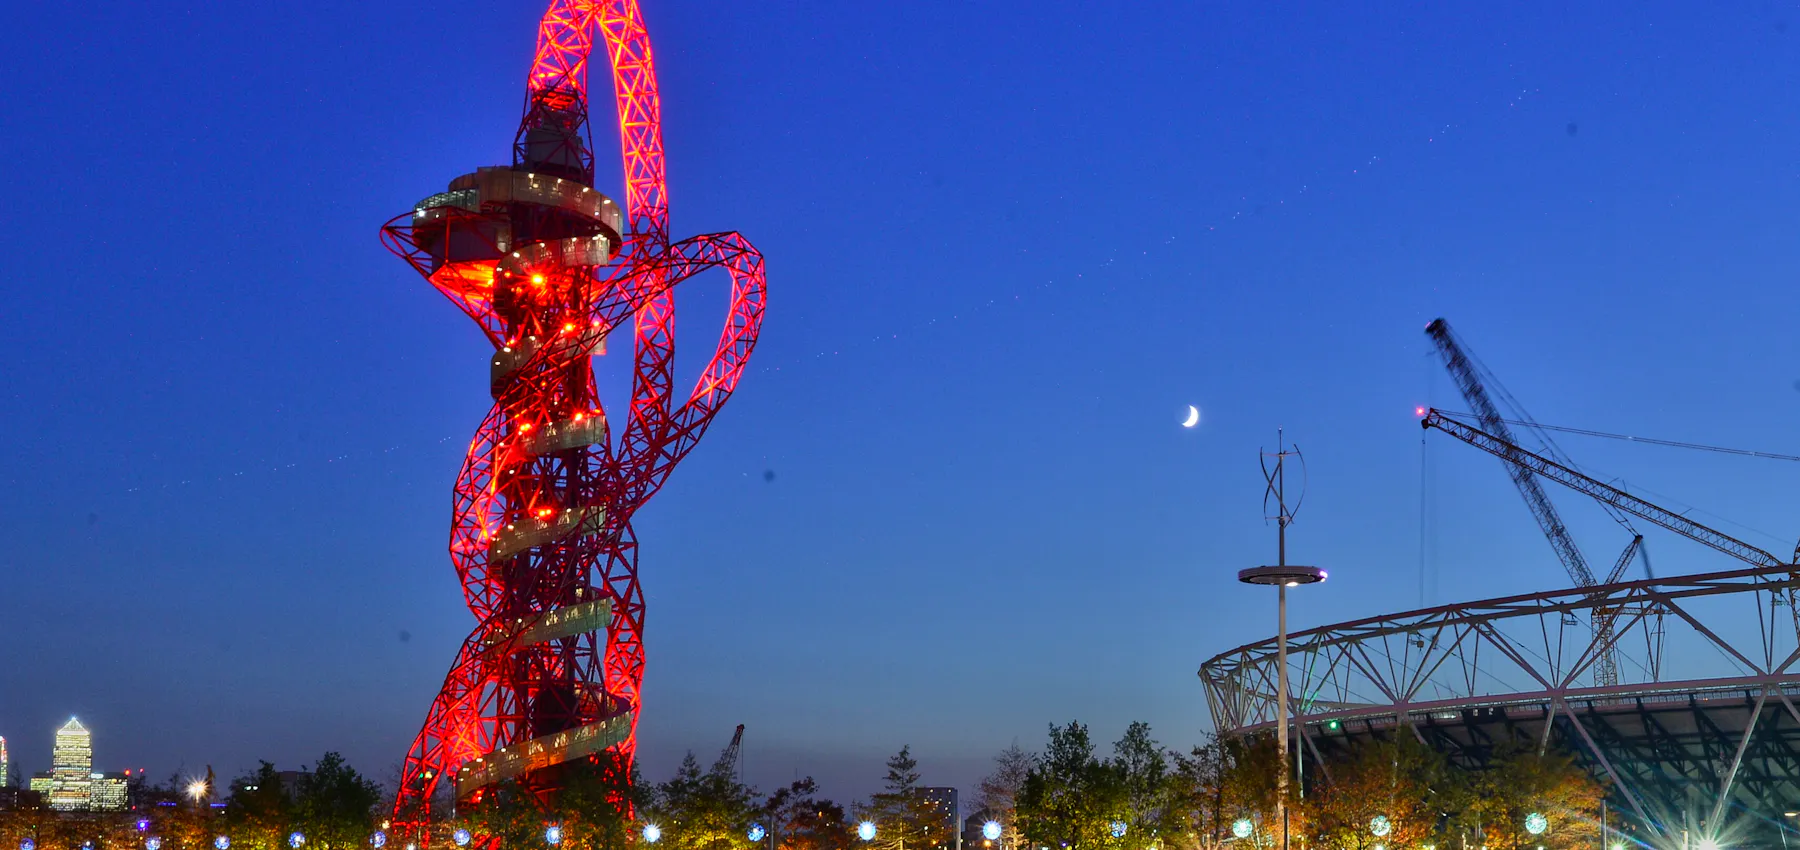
(5, 766)
(108, 792)
(71, 767)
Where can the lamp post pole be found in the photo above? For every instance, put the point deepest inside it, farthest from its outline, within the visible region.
(1283, 575)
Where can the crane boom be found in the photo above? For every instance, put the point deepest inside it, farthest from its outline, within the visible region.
(1468, 381)
(1606, 661)
(727, 765)
(1532, 465)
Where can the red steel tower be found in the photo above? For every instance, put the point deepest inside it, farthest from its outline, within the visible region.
(541, 536)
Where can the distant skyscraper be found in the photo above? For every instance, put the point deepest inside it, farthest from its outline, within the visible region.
(72, 768)
(5, 766)
(942, 800)
(107, 793)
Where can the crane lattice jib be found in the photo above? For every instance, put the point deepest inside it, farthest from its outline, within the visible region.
(1468, 382)
(1533, 464)
(541, 528)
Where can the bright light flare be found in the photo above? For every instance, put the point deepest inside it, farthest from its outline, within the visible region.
(866, 830)
(652, 833)
(1709, 844)
(197, 789)
(991, 830)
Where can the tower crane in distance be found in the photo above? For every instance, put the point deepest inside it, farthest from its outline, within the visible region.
(1599, 491)
(1605, 661)
(1469, 376)
(728, 758)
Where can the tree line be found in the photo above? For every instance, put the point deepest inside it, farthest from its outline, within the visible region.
(1220, 795)
(1376, 794)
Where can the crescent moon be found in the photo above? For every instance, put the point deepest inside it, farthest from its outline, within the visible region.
(1193, 417)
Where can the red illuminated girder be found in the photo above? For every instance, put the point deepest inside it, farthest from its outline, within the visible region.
(543, 505)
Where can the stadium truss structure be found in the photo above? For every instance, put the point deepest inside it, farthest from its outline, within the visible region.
(541, 534)
(1698, 734)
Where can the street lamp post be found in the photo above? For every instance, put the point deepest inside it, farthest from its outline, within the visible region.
(1283, 576)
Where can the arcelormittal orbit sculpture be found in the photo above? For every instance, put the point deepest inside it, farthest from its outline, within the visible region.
(541, 531)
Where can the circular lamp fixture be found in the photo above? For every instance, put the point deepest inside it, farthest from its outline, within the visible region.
(864, 831)
(1287, 576)
(991, 830)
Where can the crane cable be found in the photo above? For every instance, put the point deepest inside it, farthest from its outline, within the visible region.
(1650, 440)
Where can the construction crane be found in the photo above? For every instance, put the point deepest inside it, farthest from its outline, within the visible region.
(1469, 382)
(1473, 382)
(728, 758)
(1606, 494)
(1606, 672)
(1606, 663)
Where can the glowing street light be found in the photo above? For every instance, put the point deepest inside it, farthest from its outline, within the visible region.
(866, 830)
(1709, 844)
(1380, 826)
(1118, 829)
(296, 838)
(462, 837)
(197, 790)
(756, 833)
(991, 830)
(378, 840)
(154, 842)
(1283, 576)
(1242, 827)
(221, 842)
(1537, 824)
(652, 833)
(553, 835)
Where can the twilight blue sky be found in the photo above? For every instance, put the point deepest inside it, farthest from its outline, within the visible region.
(1008, 243)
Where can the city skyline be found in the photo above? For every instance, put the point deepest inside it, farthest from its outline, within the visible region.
(953, 501)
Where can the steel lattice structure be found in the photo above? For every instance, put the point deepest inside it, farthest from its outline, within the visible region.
(541, 533)
(1701, 732)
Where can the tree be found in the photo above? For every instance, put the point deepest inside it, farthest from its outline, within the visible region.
(1401, 781)
(801, 820)
(1494, 803)
(1070, 798)
(596, 798)
(335, 805)
(703, 811)
(1217, 784)
(1143, 769)
(506, 813)
(904, 818)
(259, 810)
(999, 792)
